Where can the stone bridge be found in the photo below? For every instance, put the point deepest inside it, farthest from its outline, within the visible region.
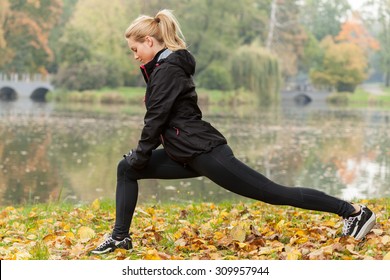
(16, 86)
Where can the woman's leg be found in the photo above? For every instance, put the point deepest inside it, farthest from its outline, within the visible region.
(224, 169)
(160, 166)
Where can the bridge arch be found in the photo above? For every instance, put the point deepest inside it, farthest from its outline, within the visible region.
(39, 94)
(302, 99)
(8, 94)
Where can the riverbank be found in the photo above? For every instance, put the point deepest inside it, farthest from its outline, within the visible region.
(133, 95)
(370, 95)
(192, 231)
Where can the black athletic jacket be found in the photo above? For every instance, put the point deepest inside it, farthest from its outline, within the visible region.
(173, 117)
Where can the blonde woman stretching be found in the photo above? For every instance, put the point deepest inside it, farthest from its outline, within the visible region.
(191, 146)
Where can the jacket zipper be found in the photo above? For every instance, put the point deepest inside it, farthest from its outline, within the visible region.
(144, 71)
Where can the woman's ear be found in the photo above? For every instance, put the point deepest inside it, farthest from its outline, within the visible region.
(149, 41)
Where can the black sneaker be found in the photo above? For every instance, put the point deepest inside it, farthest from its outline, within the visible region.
(110, 244)
(358, 226)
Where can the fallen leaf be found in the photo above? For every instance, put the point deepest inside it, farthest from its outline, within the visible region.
(387, 256)
(95, 205)
(152, 255)
(294, 255)
(385, 239)
(180, 242)
(85, 234)
(238, 233)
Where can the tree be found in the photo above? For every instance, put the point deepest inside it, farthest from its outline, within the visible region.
(256, 69)
(286, 36)
(344, 66)
(354, 31)
(383, 19)
(26, 32)
(5, 53)
(323, 17)
(95, 36)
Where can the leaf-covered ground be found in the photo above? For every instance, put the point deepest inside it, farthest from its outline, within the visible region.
(194, 231)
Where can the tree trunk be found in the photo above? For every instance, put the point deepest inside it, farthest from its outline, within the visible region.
(272, 24)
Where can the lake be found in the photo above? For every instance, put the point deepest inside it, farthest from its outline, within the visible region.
(69, 153)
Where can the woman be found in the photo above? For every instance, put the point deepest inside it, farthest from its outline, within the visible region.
(191, 146)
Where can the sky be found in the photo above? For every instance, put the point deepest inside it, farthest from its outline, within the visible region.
(356, 4)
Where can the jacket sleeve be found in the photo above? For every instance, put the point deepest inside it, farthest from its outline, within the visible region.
(165, 86)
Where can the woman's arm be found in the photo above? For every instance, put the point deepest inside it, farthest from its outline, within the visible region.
(166, 85)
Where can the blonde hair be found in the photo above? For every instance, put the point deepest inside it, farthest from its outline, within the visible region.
(164, 27)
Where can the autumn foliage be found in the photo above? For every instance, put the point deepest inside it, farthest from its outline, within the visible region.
(200, 231)
(353, 31)
(345, 59)
(344, 66)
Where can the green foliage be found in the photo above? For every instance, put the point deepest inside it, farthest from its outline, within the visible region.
(93, 39)
(313, 55)
(74, 48)
(215, 77)
(324, 17)
(255, 69)
(83, 76)
(52, 35)
(338, 98)
(384, 38)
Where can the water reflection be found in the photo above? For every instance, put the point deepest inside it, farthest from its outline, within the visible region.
(70, 154)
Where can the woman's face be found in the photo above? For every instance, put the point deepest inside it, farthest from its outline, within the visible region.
(145, 51)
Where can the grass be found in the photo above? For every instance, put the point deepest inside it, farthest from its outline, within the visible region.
(360, 98)
(195, 231)
(133, 95)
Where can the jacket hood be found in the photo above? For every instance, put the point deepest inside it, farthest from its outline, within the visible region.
(180, 58)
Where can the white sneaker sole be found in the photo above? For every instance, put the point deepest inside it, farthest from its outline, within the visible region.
(367, 227)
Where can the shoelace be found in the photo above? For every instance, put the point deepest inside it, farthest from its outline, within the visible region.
(106, 242)
(347, 225)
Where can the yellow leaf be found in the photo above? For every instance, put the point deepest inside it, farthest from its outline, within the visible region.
(387, 256)
(31, 237)
(280, 225)
(294, 255)
(238, 233)
(302, 240)
(49, 237)
(95, 205)
(85, 233)
(241, 245)
(300, 233)
(224, 214)
(152, 255)
(69, 235)
(386, 239)
(150, 211)
(330, 223)
(218, 235)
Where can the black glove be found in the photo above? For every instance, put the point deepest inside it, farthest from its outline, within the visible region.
(136, 160)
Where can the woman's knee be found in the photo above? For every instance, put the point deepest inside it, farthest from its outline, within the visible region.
(124, 168)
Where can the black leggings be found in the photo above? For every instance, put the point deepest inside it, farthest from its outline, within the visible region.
(220, 166)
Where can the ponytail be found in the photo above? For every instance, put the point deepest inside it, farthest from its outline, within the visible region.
(164, 27)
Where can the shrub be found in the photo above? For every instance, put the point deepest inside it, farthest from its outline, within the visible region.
(83, 76)
(338, 98)
(215, 77)
(256, 70)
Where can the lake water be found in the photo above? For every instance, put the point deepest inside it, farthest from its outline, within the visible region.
(50, 152)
